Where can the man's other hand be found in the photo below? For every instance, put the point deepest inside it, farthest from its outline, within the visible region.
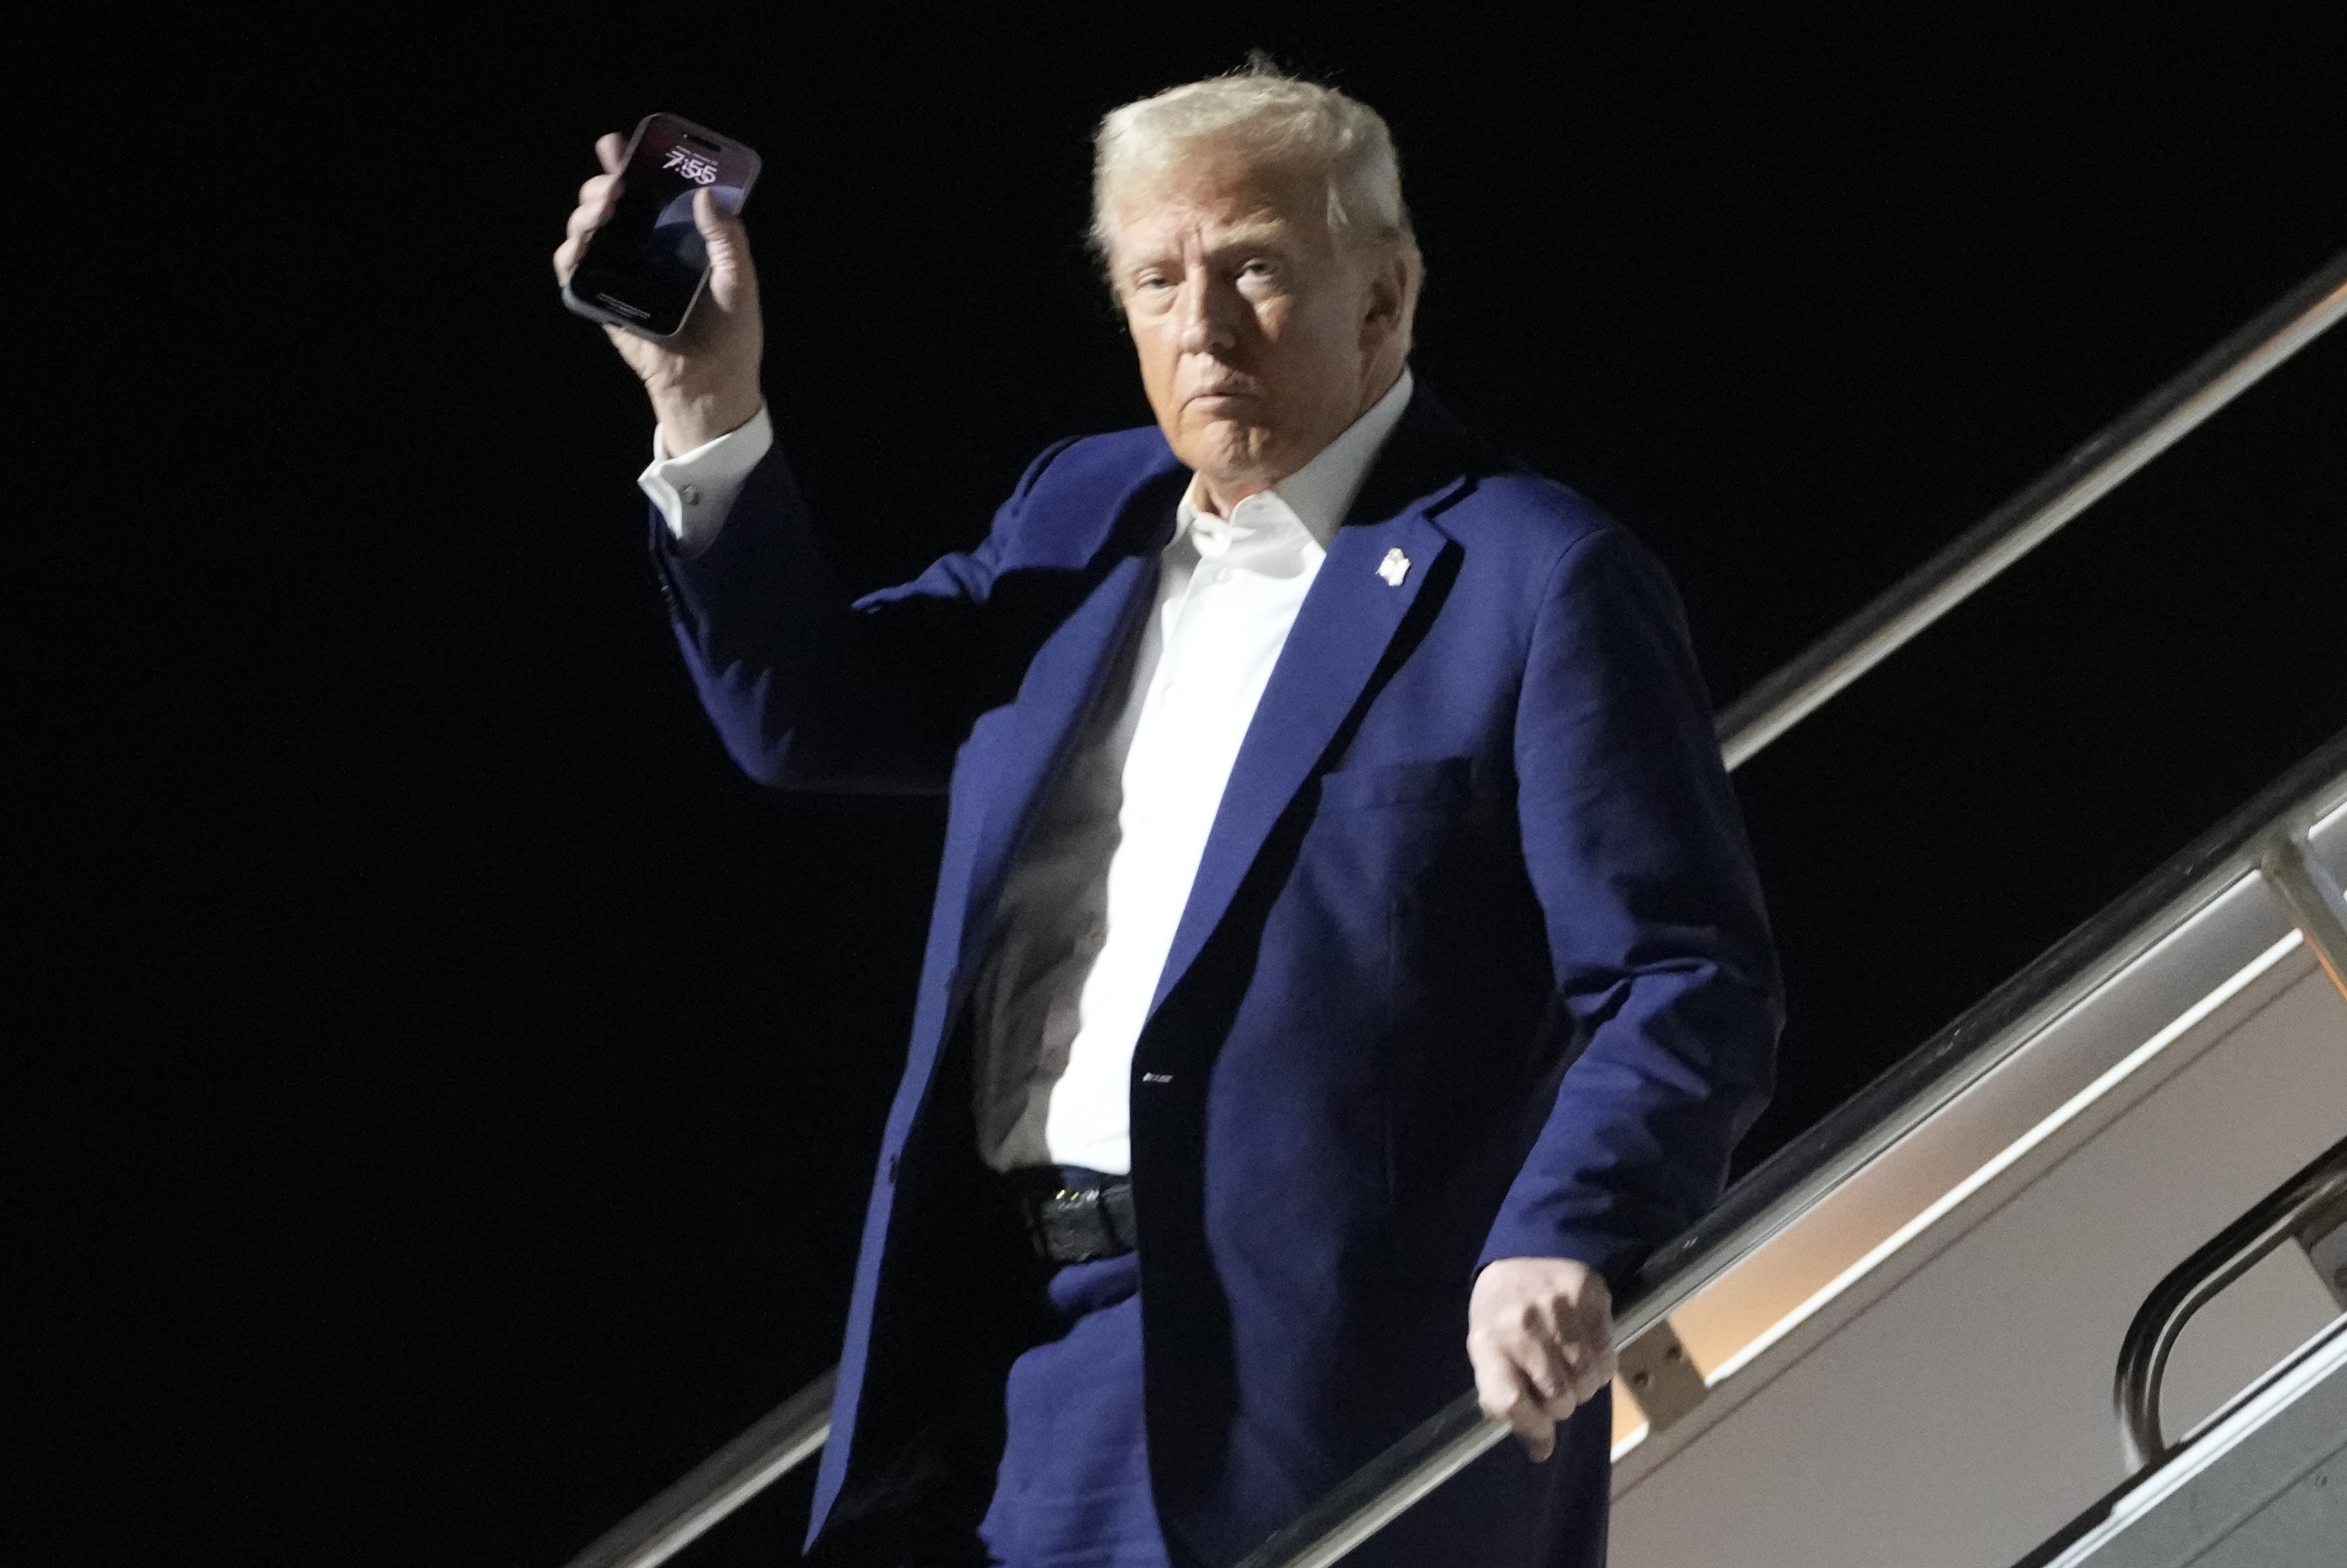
(1539, 1333)
(705, 381)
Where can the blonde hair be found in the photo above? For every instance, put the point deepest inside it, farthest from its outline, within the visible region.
(1298, 124)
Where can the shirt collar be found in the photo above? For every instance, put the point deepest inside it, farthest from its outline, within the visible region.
(1318, 494)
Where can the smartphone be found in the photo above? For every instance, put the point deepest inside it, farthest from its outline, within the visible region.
(647, 265)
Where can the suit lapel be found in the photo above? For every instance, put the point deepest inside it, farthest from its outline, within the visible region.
(1340, 637)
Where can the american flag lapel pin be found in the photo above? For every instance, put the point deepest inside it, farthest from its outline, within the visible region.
(1394, 567)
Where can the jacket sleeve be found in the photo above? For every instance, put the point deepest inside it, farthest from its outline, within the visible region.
(1635, 849)
(808, 689)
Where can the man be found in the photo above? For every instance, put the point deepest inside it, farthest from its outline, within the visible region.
(1345, 942)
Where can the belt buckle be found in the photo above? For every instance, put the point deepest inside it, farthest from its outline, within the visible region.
(1066, 1226)
(1071, 1225)
(1083, 1225)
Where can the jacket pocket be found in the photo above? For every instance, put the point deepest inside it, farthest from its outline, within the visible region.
(1439, 781)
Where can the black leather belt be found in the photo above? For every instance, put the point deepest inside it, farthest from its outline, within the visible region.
(1072, 1220)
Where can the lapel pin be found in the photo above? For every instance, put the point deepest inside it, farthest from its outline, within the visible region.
(1394, 567)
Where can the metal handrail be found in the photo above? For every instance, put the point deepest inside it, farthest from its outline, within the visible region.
(1943, 1066)
(1975, 557)
(1453, 1438)
(2200, 1279)
(781, 1440)
(1767, 1199)
(1771, 1196)
(2061, 1547)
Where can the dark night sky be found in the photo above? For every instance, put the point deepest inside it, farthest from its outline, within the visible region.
(455, 1086)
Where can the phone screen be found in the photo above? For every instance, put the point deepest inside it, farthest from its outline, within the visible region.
(645, 266)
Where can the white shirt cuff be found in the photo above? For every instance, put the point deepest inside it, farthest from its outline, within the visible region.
(695, 491)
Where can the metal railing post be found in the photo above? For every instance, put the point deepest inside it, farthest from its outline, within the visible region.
(2314, 901)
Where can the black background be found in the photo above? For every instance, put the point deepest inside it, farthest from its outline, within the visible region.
(449, 1089)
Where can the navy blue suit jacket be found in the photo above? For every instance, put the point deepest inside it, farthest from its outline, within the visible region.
(1474, 967)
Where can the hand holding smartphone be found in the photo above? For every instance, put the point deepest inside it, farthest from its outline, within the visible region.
(699, 339)
(647, 265)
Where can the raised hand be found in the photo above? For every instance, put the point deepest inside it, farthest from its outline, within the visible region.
(703, 382)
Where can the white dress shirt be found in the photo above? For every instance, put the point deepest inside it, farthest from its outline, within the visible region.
(1098, 883)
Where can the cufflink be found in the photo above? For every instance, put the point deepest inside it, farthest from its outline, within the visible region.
(1394, 567)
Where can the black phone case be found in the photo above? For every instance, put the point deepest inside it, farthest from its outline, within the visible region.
(596, 312)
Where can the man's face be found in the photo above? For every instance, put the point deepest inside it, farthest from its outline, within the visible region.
(1260, 338)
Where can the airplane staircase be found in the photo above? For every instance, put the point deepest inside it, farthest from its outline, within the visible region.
(1952, 1323)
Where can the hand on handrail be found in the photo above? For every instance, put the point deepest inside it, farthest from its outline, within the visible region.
(1539, 1335)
